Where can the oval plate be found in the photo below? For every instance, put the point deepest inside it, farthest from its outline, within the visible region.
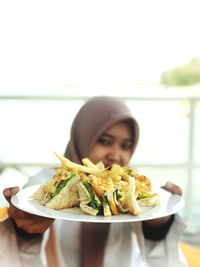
(169, 204)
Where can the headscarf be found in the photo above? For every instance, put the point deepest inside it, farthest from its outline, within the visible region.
(96, 116)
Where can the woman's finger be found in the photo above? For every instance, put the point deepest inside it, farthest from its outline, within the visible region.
(34, 224)
(9, 192)
(38, 227)
(173, 188)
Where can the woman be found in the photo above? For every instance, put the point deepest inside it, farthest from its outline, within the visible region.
(105, 130)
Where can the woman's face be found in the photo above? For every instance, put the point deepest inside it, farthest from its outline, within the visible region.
(113, 146)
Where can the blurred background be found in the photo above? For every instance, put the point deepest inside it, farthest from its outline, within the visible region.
(54, 55)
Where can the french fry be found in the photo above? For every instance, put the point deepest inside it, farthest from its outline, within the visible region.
(100, 165)
(114, 172)
(99, 191)
(112, 203)
(89, 164)
(66, 163)
(100, 185)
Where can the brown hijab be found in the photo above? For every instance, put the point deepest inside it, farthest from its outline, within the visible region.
(95, 116)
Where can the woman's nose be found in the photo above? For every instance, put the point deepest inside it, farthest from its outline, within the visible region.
(114, 155)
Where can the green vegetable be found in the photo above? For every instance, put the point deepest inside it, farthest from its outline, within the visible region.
(140, 196)
(144, 194)
(95, 203)
(105, 200)
(118, 195)
(61, 186)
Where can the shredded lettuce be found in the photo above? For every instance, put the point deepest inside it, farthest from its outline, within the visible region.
(95, 204)
(61, 186)
(105, 199)
(118, 194)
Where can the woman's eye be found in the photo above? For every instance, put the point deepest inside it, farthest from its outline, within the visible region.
(127, 146)
(103, 141)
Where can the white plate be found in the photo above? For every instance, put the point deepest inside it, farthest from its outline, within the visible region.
(169, 204)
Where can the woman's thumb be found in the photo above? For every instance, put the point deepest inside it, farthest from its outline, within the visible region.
(9, 192)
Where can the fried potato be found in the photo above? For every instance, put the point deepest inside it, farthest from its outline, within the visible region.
(113, 171)
(98, 189)
(100, 185)
(89, 164)
(66, 163)
(113, 206)
(100, 165)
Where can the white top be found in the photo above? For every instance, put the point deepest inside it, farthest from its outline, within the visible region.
(125, 246)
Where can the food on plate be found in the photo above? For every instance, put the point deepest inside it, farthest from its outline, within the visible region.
(60, 193)
(95, 189)
(143, 192)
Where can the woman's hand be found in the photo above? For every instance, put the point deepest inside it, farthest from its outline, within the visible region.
(31, 224)
(174, 189)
